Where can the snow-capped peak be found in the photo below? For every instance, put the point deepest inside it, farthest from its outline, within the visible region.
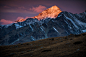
(49, 13)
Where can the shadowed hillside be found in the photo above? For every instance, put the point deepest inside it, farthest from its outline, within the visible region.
(68, 46)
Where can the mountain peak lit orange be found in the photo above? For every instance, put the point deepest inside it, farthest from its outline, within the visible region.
(49, 13)
(20, 20)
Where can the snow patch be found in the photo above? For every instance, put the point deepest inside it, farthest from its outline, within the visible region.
(71, 21)
(83, 30)
(31, 27)
(55, 30)
(41, 28)
(14, 41)
(6, 26)
(18, 26)
(33, 38)
(80, 23)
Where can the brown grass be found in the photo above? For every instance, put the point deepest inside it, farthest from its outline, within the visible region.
(68, 46)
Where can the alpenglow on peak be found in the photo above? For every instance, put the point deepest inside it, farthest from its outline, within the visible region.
(49, 13)
(20, 20)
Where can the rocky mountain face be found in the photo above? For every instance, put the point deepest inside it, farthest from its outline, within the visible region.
(31, 29)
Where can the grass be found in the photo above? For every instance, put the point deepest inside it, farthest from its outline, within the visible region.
(68, 46)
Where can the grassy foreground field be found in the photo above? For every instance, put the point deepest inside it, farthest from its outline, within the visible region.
(68, 46)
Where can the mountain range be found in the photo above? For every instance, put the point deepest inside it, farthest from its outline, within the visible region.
(50, 23)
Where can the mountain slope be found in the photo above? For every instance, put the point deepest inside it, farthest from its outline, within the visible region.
(68, 46)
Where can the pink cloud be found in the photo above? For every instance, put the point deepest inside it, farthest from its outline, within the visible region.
(23, 17)
(4, 22)
(38, 9)
(27, 17)
(19, 18)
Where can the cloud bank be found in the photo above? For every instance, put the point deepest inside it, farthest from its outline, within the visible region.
(38, 9)
(5, 22)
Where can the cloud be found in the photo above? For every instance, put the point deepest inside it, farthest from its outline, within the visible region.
(19, 18)
(4, 22)
(17, 11)
(6, 7)
(23, 17)
(38, 9)
(27, 17)
(22, 7)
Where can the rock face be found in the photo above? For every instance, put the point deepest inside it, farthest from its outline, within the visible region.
(49, 13)
(31, 29)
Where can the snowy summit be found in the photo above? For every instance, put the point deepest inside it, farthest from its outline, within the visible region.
(49, 13)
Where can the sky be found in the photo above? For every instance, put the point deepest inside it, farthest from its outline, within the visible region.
(12, 10)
